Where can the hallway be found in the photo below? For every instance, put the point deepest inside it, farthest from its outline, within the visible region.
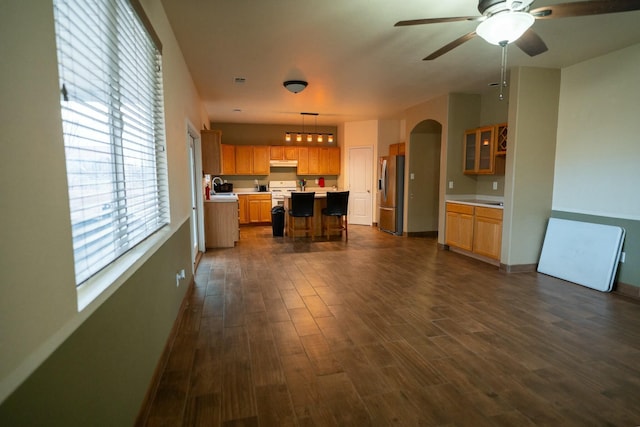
(386, 330)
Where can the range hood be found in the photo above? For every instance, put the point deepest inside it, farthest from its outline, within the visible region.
(283, 163)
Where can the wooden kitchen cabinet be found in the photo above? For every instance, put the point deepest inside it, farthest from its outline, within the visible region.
(397, 149)
(283, 152)
(243, 209)
(228, 153)
(251, 160)
(329, 161)
(476, 229)
(260, 160)
(500, 134)
(459, 226)
(487, 232)
(254, 208)
(479, 151)
(221, 224)
(244, 159)
(211, 149)
(318, 161)
(303, 161)
(259, 208)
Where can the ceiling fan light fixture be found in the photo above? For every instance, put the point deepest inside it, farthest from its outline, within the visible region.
(295, 86)
(506, 26)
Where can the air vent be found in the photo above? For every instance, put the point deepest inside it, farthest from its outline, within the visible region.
(239, 80)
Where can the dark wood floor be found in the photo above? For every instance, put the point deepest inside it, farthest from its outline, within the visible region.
(387, 330)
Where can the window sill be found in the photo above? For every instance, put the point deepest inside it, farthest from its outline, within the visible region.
(104, 283)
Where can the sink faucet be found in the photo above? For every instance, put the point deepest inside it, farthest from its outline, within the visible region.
(213, 181)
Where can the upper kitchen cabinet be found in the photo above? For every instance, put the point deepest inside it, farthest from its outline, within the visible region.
(228, 159)
(211, 141)
(283, 152)
(318, 161)
(501, 138)
(397, 149)
(480, 153)
(260, 160)
(245, 160)
(330, 160)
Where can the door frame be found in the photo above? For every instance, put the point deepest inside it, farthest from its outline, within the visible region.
(195, 171)
(370, 182)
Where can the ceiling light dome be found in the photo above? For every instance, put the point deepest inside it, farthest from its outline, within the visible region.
(505, 27)
(295, 86)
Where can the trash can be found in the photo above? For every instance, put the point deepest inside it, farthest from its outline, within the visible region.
(277, 220)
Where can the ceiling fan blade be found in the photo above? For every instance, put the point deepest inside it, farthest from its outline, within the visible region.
(437, 20)
(531, 43)
(584, 8)
(457, 42)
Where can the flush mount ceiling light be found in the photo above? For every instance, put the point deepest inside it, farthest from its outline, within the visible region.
(295, 86)
(505, 27)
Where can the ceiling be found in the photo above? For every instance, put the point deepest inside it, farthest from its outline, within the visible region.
(358, 65)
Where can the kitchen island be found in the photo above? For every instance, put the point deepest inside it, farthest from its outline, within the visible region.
(320, 203)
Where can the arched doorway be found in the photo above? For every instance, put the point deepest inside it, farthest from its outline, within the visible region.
(423, 179)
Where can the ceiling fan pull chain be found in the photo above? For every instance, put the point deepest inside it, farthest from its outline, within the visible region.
(503, 69)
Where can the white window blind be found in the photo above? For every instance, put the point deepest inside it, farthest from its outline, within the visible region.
(112, 114)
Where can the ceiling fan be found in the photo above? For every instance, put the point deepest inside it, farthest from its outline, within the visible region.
(509, 21)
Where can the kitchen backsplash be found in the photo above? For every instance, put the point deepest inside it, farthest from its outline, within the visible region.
(283, 174)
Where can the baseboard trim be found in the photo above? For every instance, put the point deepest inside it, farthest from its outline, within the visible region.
(145, 408)
(475, 256)
(519, 268)
(627, 290)
(423, 234)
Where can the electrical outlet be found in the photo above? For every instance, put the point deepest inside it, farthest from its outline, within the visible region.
(495, 185)
(450, 184)
(179, 276)
(412, 176)
(623, 257)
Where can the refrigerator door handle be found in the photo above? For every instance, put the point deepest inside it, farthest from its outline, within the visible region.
(384, 179)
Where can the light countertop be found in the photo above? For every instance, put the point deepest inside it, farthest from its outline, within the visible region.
(480, 202)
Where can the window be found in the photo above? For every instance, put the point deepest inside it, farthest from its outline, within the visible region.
(112, 119)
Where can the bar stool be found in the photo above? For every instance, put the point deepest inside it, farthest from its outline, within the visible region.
(302, 207)
(337, 206)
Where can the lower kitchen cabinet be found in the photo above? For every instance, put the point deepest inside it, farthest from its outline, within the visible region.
(459, 228)
(476, 229)
(487, 232)
(259, 208)
(254, 208)
(221, 224)
(243, 208)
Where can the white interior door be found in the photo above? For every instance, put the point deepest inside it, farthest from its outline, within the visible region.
(360, 185)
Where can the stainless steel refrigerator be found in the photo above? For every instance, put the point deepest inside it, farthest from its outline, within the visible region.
(391, 193)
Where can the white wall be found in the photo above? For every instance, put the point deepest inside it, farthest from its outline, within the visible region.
(598, 144)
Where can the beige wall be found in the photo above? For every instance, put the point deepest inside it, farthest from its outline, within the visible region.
(424, 178)
(437, 110)
(598, 153)
(533, 120)
(38, 304)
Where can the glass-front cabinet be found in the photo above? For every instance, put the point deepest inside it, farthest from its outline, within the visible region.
(479, 151)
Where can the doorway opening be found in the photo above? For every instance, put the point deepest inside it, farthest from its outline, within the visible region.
(425, 153)
(197, 217)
